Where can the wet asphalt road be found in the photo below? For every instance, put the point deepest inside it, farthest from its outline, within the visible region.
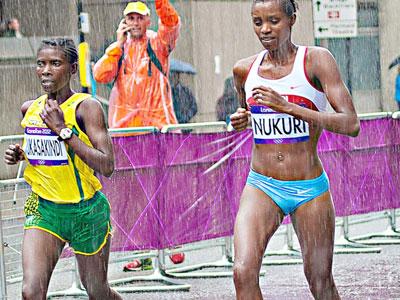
(357, 276)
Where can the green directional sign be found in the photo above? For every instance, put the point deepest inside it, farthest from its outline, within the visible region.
(334, 18)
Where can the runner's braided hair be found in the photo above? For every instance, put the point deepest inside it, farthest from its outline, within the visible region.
(288, 6)
(66, 45)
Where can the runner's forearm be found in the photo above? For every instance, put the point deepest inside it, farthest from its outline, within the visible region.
(97, 160)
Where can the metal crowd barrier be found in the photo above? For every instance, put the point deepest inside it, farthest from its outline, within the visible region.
(389, 236)
(132, 130)
(287, 250)
(11, 224)
(159, 275)
(360, 244)
(8, 138)
(202, 125)
(3, 283)
(191, 271)
(12, 195)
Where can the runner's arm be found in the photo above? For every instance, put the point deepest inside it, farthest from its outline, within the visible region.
(14, 152)
(241, 118)
(101, 156)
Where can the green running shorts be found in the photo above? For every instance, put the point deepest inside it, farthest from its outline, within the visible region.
(85, 226)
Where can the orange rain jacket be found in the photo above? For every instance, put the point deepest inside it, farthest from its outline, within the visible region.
(136, 98)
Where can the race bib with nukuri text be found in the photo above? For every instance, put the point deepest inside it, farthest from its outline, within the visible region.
(271, 127)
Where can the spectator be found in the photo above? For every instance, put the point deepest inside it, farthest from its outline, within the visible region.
(13, 29)
(185, 105)
(138, 62)
(3, 28)
(228, 102)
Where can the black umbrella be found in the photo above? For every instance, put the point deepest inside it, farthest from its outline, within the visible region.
(395, 62)
(181, 67)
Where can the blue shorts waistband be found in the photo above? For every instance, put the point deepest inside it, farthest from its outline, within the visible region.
(290, 182)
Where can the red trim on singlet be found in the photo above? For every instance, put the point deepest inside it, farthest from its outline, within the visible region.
(250, 102)
(248, 71)
(299, 100)
(305, 73)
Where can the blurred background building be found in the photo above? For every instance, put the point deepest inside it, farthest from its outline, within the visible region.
(214, 35)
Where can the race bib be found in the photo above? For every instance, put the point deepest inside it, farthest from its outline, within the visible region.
(271, 127)
(42, 147)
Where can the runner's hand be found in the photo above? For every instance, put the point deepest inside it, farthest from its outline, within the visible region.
(240, 119)
(13, 154)
(269, 97)
(53, 116)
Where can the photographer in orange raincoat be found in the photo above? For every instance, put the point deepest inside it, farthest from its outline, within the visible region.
(138, 63)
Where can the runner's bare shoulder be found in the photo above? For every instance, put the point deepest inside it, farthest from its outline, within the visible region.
(90, 110)
(25, 106)
(89, 105)
(242, 67)
(319, 58)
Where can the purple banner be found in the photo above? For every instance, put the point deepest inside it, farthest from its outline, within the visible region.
(172, 189)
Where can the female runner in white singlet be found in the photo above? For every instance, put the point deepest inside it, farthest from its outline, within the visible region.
(285, 91)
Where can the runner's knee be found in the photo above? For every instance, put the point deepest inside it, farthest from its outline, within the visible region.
(97, 290)
(34, 290)
(321, 286)
(319, 278)
(245, 274)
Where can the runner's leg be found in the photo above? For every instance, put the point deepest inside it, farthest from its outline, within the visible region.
(314, 223)
(40, 253)
(93, 272)
(257, 220)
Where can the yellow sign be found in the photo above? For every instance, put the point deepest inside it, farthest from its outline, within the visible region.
(84, 64)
